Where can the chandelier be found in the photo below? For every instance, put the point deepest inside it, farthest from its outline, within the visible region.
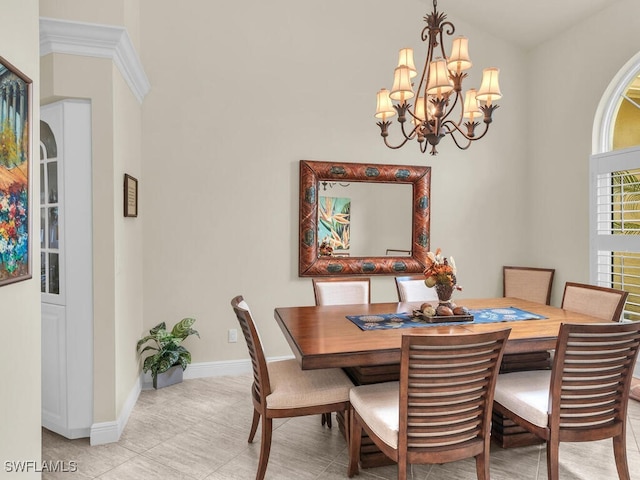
(438, 92)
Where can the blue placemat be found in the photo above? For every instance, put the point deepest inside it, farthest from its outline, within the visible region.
(504, 314)
(406, 320)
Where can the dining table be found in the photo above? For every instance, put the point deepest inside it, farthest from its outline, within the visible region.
(324, 337)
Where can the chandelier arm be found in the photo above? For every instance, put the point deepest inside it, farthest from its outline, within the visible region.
(413, 115)
(449, 32)
(440, 42)
(425, 74)
(451, 26)
(412, 135)
(451, 132)
(425, 71)
(400, 145)
(455, 140)
(461, 119)
(459, 130)
(416, 126)
(486, 129)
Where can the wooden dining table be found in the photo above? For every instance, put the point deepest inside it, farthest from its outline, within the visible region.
(323, 337)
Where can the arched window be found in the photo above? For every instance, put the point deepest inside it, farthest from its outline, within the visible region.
(615, 188)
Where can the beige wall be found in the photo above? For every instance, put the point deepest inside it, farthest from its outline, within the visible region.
(244, 90)
(568, 78)
(128, 240)
(20, 368)
(295, 81)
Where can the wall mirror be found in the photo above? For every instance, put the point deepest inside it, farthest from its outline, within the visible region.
(363, 219)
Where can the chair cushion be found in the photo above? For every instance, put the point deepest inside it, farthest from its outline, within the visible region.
(526, 394)
(292, 387)
(378, 405)
(342, 293)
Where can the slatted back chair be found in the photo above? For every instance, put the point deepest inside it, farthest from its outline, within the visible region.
(601, 302)
(585, 395)
(528, 283)
(342, 290)
(440, 410)
(282, 389)
(411, 288)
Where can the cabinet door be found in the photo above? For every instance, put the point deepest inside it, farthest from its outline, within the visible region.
(54, 367)
(66, 280)
(51, 210)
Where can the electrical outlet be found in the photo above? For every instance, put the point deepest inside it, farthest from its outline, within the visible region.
(232, 335)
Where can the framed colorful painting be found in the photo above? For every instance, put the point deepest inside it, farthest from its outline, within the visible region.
(15, 167)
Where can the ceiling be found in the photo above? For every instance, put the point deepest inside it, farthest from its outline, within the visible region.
(526, 23)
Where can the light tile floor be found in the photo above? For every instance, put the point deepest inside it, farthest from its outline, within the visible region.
(199, 428)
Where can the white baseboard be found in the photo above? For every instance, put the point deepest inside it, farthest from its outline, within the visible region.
(109, 432)
(104, 432)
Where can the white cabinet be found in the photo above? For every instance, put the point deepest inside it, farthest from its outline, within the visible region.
(66, 267)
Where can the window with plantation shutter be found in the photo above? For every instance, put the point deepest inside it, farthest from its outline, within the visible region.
(615, 224)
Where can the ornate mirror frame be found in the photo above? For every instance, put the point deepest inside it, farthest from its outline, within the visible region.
(313, 172)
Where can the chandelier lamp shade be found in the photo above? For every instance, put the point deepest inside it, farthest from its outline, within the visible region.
(437, 107)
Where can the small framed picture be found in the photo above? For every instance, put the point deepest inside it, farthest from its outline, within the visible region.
(130, 196)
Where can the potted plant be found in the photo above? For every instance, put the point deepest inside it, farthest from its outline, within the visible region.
(169, 358)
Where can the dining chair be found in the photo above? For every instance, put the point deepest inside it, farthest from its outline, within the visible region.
(533, 284)
(440, 410)
(601, 302)
(583, 397)
(411, 288)
(528, 283)
(342, 290)
(281, 389)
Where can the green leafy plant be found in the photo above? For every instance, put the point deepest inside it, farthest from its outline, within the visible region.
(167, 346)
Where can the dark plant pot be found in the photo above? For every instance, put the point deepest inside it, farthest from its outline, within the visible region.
(170, 377)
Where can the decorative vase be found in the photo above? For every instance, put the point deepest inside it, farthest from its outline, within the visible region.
(444, 293)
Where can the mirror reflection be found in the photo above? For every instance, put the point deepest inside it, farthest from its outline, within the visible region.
(361, 219)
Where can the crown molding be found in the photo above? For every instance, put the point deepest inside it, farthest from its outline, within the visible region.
(94, 40)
